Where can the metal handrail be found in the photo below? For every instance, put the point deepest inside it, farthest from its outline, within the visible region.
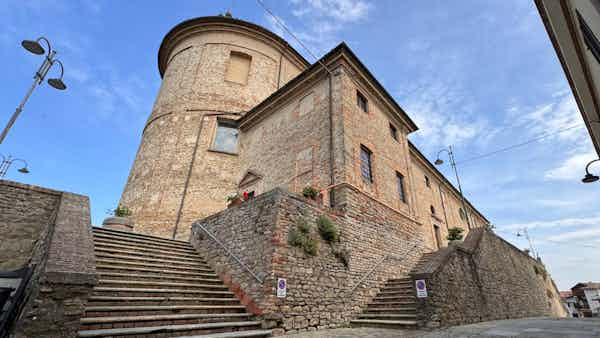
(229, 252)
(368, 273)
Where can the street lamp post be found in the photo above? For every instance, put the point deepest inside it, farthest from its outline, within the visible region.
(439, 161)
(49, 60)
(589, 178)
(8, 161)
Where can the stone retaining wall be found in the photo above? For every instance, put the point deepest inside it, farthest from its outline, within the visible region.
(321, 289)
(485, 278)
(51, 231)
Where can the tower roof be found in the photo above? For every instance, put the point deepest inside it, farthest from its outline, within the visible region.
(193, 26)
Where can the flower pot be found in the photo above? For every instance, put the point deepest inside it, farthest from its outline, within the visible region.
(118, 223)
(235, 202)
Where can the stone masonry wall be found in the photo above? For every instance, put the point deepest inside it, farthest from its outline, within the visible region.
(59, 245)
(321, 289)
(485, 278)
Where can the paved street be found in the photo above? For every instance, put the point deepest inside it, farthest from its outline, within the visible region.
(529, 328)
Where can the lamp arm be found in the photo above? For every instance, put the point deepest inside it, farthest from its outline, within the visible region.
(587, 167)
(62, 69)
(18, 159)
(441, 151)
(41, 38)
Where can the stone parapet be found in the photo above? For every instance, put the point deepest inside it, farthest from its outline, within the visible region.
(484, 278)
(50, 231)
(322, 291)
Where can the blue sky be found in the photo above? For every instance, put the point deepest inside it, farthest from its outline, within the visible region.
(480, 75)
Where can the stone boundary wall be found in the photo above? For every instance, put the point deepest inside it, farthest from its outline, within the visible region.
(51, 231)
(484, 278)
(319, 287)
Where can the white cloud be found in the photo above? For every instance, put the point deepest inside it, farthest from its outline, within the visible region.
(585, 233)
(338, 10)
(572, 168)
(557, 223)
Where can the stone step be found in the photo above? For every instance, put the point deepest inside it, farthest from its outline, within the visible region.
(161, 245)
(171, 319)
(131, 300)
(401, 309)
(389, 304)
(150, 292)
(138, 235)
(408, 316)
(384, 300)
(209, 330)
(144, 249)
(394, 293)
(237, 334)
(141, 259)
(400, 280)
(142, 254)
(124, 262)
(108, 265)
(155, 310)
(159, 285)
(397, 288)
(139, 246)
(155, 277)
(399, 324)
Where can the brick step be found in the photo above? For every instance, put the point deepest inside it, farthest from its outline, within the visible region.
(143, 292)
(123, 269)
(121, 239)
(237, 334)
(139, 246)
(139, 235)
(389, 304)
(174, 266)
(401, 309)
(209, 330)
(153, 320)
(144, 249)
(142, 254)
(408, 316)
(156, 277)
(141, 259)
(387, 324)
(131, 300)
(160, 285)
(153, 310)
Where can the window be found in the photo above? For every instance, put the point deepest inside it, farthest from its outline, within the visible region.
(462, 214)
(427, 183)
(432, 209)
(226, 138)
(238, 68)
(394, 132)
(400, 182)
(306, 104)
(591, 41)
(361, 101)
(365, 163)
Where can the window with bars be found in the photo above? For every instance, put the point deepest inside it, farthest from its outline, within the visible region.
(400, 183)
(365, 163)
(361, 102)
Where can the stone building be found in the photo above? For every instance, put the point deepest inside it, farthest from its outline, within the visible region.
(240, 110)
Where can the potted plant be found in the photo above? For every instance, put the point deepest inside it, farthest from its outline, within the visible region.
(120, 219)
(233, 200)
(455, 234)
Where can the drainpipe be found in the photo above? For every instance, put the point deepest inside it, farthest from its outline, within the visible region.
(331, 147)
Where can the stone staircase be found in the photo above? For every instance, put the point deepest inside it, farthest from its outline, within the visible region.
(395, 304)
(155, 287)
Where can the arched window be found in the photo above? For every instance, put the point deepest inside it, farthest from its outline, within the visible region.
(432, 209)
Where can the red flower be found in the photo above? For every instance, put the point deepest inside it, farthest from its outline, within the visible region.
(246, 196)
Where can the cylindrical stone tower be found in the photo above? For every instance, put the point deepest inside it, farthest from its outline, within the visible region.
(187, 164)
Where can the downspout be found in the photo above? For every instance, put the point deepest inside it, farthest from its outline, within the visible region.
(331, 147)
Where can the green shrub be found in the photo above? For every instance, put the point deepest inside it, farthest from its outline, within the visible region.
(310, 192)
(327, 229)
(539, 270)
(455, 234)
(122, 211)
(303, 237)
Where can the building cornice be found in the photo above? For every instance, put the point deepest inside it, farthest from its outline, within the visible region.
(416, 153)
(341, 54)
(191, 27)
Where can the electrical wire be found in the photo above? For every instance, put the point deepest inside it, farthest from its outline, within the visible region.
(535, 139)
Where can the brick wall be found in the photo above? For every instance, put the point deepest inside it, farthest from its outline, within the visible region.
(485, 278)
(319, 288)
(51, 231)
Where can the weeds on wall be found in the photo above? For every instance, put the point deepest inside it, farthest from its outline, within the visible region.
(310, 192)
(328, 230)
(303, 236)
(539, 270)
(122, 211)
